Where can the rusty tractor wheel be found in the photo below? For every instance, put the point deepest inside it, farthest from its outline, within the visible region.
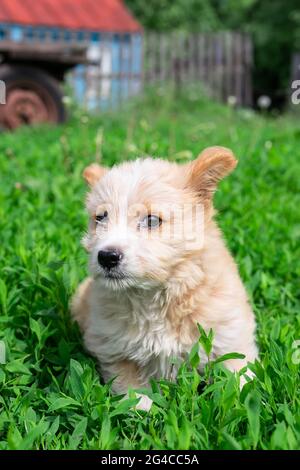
(32, 97)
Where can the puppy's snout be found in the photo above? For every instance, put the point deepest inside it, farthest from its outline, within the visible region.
(109, 258)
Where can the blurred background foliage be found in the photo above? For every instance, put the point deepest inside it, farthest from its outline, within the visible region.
(274, 25)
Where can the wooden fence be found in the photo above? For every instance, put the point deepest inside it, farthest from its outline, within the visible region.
(222, 62)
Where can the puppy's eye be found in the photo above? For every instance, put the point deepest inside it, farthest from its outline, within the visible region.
(151, 222)
(101, 217)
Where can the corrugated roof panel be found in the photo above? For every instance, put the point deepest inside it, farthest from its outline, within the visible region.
(98, 15)
(13, 9)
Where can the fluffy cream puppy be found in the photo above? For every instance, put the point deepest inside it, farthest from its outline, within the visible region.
(159, 266)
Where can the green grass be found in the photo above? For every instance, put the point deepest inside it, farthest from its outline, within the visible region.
(50, 393)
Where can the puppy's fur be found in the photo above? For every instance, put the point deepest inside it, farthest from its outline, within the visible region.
(136, 322)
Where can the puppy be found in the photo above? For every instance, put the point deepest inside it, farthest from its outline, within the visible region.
(159, 267)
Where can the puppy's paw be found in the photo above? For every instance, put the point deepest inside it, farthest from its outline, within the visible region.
(144, 404)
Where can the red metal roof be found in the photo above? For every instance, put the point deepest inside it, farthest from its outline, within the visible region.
(94, 15)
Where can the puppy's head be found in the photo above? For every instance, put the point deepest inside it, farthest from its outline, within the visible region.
(148, 216)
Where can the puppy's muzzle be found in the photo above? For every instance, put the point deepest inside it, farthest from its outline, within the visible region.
(109, 258)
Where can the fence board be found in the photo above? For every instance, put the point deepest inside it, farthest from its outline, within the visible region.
(248, 77)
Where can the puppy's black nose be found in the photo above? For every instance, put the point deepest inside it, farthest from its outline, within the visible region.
(109, 258)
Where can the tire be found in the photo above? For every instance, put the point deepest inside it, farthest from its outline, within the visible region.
(32, 97)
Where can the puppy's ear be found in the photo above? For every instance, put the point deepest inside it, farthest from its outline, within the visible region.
(93, 173)
(213, 164)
